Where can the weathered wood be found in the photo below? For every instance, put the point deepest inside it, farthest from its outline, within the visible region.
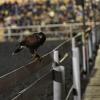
(93, 88)
(93, 98)
(93, 91)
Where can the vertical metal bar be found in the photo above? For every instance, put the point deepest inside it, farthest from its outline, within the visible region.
(94, 40)
(56, 56)
(84, 54)
(9, 33)
(39, 29)
(57, 93)
(83, 35)
(87, 56)
(94, 18)
(20, 36)
(71, 30)
(90, 46)
(76, 74)
(73, 43)
(58, 78)
(84, 24)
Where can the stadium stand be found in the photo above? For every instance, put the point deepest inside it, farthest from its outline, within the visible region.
(44, 12)
(19, 13)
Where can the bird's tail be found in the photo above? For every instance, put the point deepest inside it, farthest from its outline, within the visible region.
(18, 49)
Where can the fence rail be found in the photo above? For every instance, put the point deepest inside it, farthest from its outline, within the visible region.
(60, 31)
(63, 71)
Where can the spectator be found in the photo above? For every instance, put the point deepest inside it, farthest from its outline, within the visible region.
(42, 12)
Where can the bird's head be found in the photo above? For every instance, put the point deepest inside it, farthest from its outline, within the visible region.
(41, 37)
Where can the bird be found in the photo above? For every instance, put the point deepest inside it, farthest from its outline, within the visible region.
(32, 42)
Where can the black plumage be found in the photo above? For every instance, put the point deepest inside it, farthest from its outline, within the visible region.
(32, 42)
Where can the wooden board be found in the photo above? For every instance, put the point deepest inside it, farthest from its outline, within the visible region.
(93, 88)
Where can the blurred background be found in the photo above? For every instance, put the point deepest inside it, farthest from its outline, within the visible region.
(51, 16)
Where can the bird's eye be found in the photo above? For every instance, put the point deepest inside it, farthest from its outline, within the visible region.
(40, 36)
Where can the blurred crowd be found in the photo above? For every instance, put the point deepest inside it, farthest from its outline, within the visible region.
(43, 12)
(46, 12)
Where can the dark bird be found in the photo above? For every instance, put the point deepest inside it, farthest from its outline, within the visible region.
(32, 42)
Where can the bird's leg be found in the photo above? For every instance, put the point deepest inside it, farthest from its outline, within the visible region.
(37, 56)
(33, 56)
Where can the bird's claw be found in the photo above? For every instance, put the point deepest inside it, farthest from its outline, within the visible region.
(38, 57)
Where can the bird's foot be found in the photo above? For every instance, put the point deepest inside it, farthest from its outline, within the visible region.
(38, 57)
